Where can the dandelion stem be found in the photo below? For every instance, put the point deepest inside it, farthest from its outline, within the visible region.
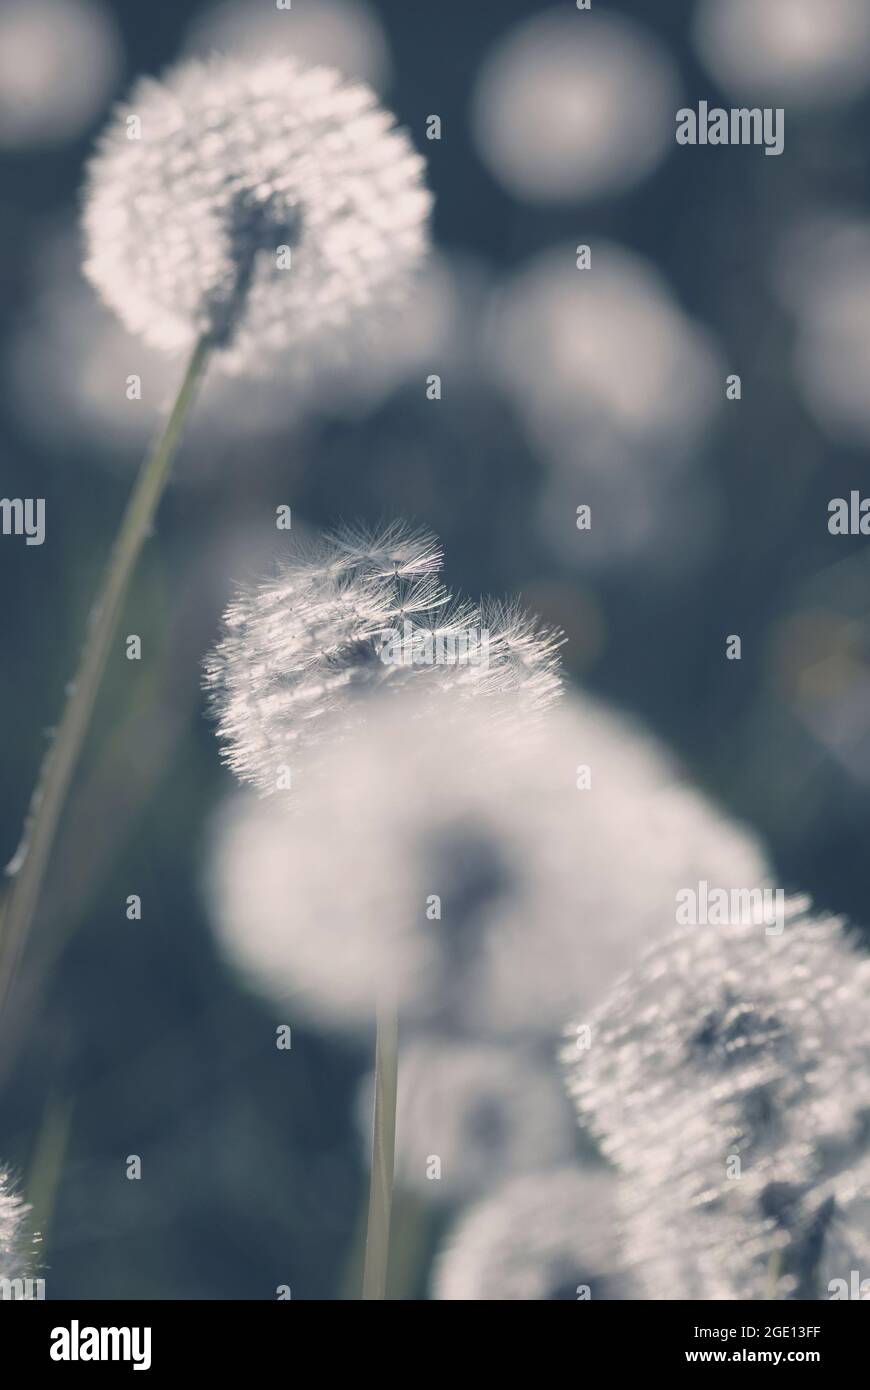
(383, 1153)
(27, 868)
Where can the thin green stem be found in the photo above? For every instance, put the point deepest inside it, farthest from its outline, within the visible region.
(29, 865)
(47, 1166)
(383, 1153)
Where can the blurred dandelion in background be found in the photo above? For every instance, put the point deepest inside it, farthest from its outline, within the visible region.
(546, 1237)
(342, 34)
(822, 273)
(607, 350)
(60, 61)
(728, 1078)
(566, 108)
(617, 387)
(272, 207)
(472, 1114)
(454, 855)
(798, 52)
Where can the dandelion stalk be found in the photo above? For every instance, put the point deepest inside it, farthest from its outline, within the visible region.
(29, 864)
(383, 1153)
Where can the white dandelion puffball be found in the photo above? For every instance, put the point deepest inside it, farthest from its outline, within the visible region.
(59, 62)
(569, 106)
(274, 208)
(545, 1237)
(616, 387)
(473, 865)
(823, 276)
(344, 34)
(793, 51)
(356, 611)
(14, 1254)
(606, 353)
(729, 1079)
(470, 1115)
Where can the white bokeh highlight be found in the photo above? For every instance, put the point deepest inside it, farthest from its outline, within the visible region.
(343, 34)
(59, 63)
(801, 52)
(571, 105)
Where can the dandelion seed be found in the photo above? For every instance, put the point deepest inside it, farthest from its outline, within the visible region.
(729, 1080)
(471, 1115)
(237, 165)
(14, 1256)
(446, 850)
(304, 646)
(550, 1236)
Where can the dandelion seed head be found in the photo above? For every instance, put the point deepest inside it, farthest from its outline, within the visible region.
(549, 1236)
(298, 651)
(470, 1115)
(446, 849)
(729, 1075)
(235, 165)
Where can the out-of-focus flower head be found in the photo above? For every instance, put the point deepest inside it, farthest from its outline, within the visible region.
(729, 1079)
(345, 34)
(823, 276)
(569, 105)
(59, 61)
(272, 207)
(354, 612)
(474, 861)
(543, 1237)
(616, 386)
(470, 1115)
(796, 52)
(607, 351)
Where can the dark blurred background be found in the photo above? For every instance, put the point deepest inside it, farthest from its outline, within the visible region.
(709, 519)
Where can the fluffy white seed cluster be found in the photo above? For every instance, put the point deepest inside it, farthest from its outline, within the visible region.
(549, 1236)
(463, 863)
(471, 1115)
(14, 1255)
(273, 207)
(348, 615)
(729, 1080)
